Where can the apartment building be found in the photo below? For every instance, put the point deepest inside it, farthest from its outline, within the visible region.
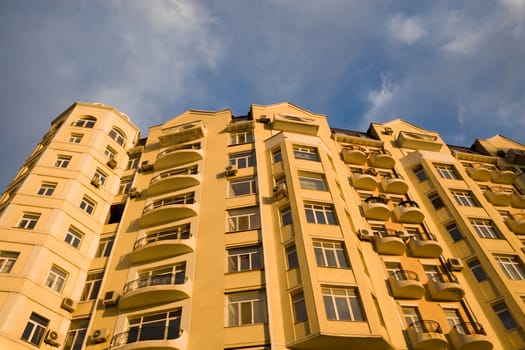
(265, 231)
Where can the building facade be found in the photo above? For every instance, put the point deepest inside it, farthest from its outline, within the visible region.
(266, 231)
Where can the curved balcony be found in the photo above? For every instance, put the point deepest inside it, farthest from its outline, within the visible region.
(503, 176)
(181, 133)
(382, 159)
(409, 212)
(150, 338)
(405, 284)
(516, 223)
(157, 289)
(174, 180)
(364, 181)
(375, 208)
(445, 287)
(497, 195)
(479, 173)
(425, 248)
(354, 155)
(176, 156)
(426, 335)
(469, 336)
(394, 185)
(389, 243)
(518, 200)
(162, 244)
(169, 209)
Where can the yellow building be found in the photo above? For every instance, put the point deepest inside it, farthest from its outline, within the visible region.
(265, 231)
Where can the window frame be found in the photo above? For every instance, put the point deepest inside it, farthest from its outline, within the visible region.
(47, 189)
(35, 329)
(454, 232)
(117, 135)
(8, 259)
(252, 302)
(330, 254)
(320, 213)
(505, 316)
(74, 237)
(336, 299)
(447, 171)
(312, 181)
(62, 161)
(88, 205)
(86, 122)
(75, 138)
(244, 258)
(28, 221)
(511, 266)
(242, 160)
(465, 198)
(76, 334)
(240, 183)
(298, 302)
(292, 260)
(306, 153)
(241, 137)
(485, 228)
(92, 285)
(235, 219)
(105, 246)
(56, 279)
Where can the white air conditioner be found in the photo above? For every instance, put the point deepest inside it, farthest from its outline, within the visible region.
(403, 234)
(366, 235)
(231, 170)
(100, 335)
(110, 298)
(455, 264)
(52, 338)
(112, 163)
(68, 304)
(95, 182)
(134, 192)
(280, 191)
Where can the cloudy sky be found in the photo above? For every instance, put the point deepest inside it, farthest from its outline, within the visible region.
(456, 67)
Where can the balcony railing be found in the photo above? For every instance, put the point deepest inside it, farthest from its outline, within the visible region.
(425, 246)
(174, 234)
(425, 326)
(184, 199)
(175, 172)
(405, 284)
(470, 335)
(145, 333)
(445, 287)
(470, 328)
(409, 212)
(169, 279)
(192, 146)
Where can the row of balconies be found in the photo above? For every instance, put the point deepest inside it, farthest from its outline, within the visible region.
(502, 196)
(479, 172)
(359, 155)
(406, 284)
(393, 242)
(367, 180)
(376, 208)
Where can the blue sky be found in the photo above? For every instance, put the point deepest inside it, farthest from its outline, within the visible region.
(456, 67)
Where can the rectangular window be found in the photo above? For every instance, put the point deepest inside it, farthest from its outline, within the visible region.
(73, 237)
(99, 177)
(242, 160)
(7, 260)
(243, 219)
(291, 257)
(241, 187)
(286, 216)
(47, 189)
(320, 214)
(454, 319)
(75, 138)
(241, 137)
(485, 228)
(62, 161)
(511, 266)
(105, 245)
(35, 329)
(277, 156)
(447, 171)
(420, 173)
(304, 152)
(413, 318)
(312, 181)
(159, 326)
(330, 254)
(56, 279)
(246, 308)
(454, 232)
(436, 201)
(28, 221)
(465, 198)
(477, 270)
(299, 307)
(133, 161)
(110, 152)
(87, 205)
(505, 316)
(342, 304)
(125, 185)
(77, 334)
(92, 286)
(244, 259)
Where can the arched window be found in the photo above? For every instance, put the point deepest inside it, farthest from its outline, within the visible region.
(86, 122)
(117, 135)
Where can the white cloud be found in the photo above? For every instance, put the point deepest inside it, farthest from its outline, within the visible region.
(464, 43)
(380, 101)
(406, 29)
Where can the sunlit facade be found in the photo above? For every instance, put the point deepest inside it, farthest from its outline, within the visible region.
(265, 231)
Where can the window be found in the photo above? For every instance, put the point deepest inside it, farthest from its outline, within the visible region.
(62, 161)
(99, 177)
(118, 136)
(104, 247)
(92, 285)
(73, 237)
(465, 198)
(412, 317)
(164, 325)
(241, 137)
(291, 257)
(436, 201)
(86, 122)
(304, 152)
(241, 187)
(35, 329)
(277, 156)
(485, 228)
(47, 189)
(133, 161)
(75, 138)
(454, 318)
(125, 185)
(312, 181)
(110, 152)
(320, 214)
(447, 171)
(28, 221)
(420, 173)
(246, 308)
(454, 232)
(299, 307)
(511, 266)
(242, 160)
(87, 205)
(243, 219)
(286, 216)
(77, 334)
(505, 316)
(330, 254)
(56, 279)
(7, 260)
(477, 270)
(342, 304)
(244, 259)
(432, 272)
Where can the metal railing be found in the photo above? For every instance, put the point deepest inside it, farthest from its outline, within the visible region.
(171, 234)
(426, 326)
(408, 204)
(470, 328)
(404, 275)
(168, 279)
(169, 173)
(183, 199)
(144, 333)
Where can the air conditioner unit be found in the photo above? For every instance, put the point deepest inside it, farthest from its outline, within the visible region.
(95, 182)
(366, 235)
(68, 304)
(403, 234)
(134, 192)
(110, 298)
(231, 170)
(100, 335)
(455, 264)
(280, 191)
(145, 166)
(112, 163)
(52, 338)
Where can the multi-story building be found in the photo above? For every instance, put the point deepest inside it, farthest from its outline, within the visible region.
(265, 231)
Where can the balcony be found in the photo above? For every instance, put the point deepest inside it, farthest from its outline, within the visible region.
(469, 336)
(518, 200)
(503, 176)
(354, 155)
(382, 159)
(169, 209)
(389, 243)
(179, 155)
(162, 244)
(409, 212)
(426, 335)
(395, 185)
(150, 338)
(498, 195)
(181, 133)
(405, 284)
(296, 124)
(445, 287)
(365, 181)
(418, 141)
(479, 172)
(174, 180)
(424, 248)
(375, 208)
(156, 289)
(516, 223)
